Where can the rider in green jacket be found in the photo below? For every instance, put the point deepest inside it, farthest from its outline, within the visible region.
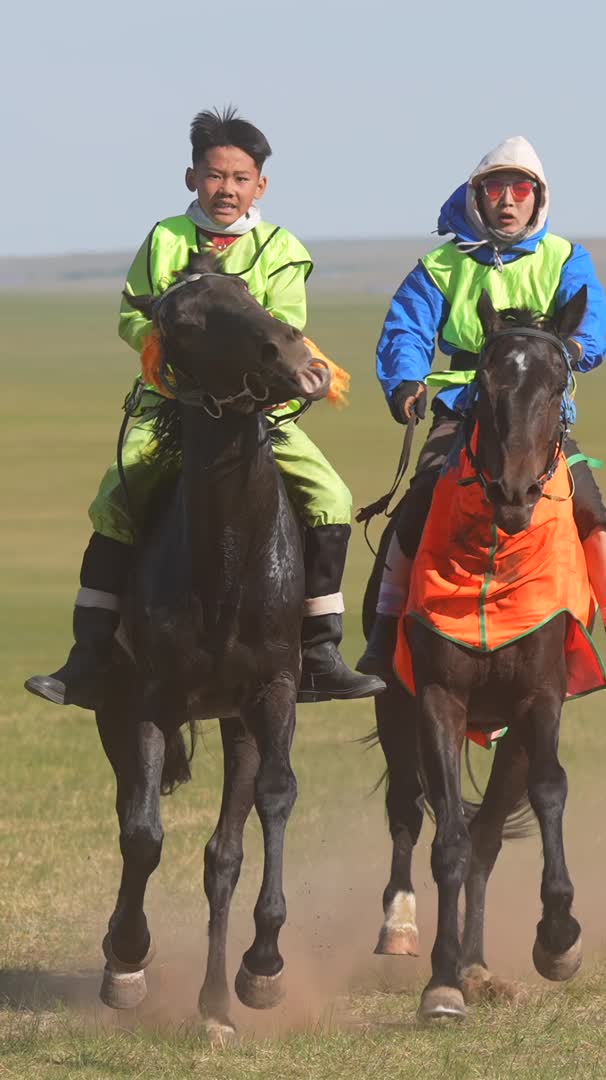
(226, 177)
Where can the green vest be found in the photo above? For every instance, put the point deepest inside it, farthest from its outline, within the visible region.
(256, 256)
(260, 257)
(530, 281)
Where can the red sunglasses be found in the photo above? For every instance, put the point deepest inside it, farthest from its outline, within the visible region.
(520, 189)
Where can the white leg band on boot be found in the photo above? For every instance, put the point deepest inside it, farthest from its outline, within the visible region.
(98, 599)
(324, 605)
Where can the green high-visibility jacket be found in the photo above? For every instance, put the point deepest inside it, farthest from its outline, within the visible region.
(274, 264)
(528, 282)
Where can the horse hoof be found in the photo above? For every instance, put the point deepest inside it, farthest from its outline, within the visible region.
(220, 1033)
(441, 1003)
(398, 942)
(558, 966)
(259, 991)
(124, 966)
(122, 989)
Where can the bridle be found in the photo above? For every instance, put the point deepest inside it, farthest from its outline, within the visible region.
(557, 343)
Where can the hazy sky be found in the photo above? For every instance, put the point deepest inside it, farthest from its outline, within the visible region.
(375, 110)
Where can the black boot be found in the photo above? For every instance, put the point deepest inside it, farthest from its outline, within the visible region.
(80, 680)
(105, 568)
(325, 675)
(380, 649)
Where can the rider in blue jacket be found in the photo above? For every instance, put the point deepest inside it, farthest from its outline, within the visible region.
(502, 243)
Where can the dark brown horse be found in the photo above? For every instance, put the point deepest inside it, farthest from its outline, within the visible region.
(213, 623)
(522, 685)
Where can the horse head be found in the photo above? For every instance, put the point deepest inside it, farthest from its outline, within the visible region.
(523, 373)
(223, 349)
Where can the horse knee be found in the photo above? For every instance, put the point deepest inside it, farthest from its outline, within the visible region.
(141, 842)
(276, 792)
(222, 863)
(450, 856)
(548, 791)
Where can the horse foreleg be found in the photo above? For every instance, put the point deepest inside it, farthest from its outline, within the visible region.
(505, 790)
(441, 727)
(557, 951)
(272, 720)
(127, 945)
(222, 861)
(396, 726)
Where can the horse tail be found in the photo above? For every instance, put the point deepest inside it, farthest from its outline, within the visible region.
(519, 823)
(177, 759)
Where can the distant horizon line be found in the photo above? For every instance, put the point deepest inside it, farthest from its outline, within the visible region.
(392, 238)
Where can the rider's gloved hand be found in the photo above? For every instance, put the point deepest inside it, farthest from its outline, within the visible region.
(409, 398)
(576, 351)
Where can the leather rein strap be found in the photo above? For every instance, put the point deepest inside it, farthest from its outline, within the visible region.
(381, 506)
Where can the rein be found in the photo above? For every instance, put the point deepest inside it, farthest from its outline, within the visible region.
(543, 335)
(380, 506)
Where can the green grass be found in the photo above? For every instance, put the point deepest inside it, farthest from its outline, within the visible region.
(348, 1013)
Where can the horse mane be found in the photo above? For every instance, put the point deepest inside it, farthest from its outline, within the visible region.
(167, 432)
(200, 262)
(523, 317)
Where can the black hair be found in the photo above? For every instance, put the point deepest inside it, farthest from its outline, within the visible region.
(213, 128)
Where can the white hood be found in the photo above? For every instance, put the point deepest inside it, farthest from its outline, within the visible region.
(514, 153)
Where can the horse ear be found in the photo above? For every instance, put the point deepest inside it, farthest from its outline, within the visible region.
(140, 303)
(569, 317)
(487, 314)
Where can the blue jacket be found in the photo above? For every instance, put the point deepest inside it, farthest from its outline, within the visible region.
(418, 310)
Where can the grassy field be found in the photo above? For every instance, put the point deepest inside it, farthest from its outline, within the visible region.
(348, 1013)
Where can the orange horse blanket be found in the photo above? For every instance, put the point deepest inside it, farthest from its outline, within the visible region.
(474, 584)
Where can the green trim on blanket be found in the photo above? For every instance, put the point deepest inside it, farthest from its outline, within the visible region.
(593, 462)
(486, 652)
(488, 576)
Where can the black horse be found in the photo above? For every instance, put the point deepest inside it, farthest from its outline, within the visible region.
(213, 624)
(521, 685)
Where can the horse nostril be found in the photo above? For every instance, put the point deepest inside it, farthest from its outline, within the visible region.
(534, 493)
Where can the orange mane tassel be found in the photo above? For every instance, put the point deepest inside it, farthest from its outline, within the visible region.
(340, 379)
(151, 360)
